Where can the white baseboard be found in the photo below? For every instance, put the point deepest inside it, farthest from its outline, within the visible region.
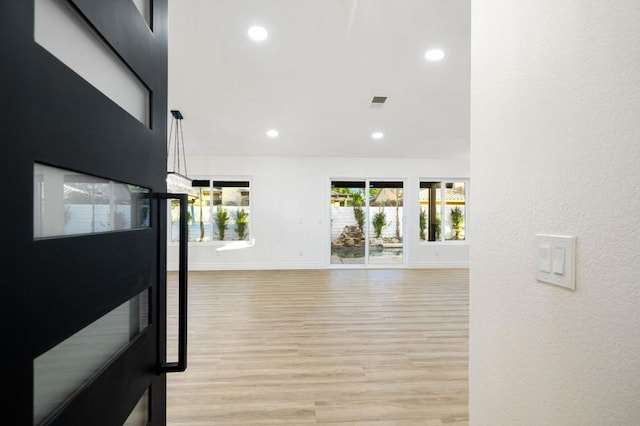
(311, 265)
(440, 265)
(248, 266)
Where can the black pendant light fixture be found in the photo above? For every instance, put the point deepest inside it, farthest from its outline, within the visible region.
(177, 178)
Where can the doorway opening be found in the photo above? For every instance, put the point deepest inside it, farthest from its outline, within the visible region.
(367, 222)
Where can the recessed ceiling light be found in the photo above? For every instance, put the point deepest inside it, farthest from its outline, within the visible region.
(258, 33)
(377, 135)
(273, 133)
(434, 55)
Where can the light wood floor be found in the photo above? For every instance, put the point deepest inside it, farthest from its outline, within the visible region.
(330, 347)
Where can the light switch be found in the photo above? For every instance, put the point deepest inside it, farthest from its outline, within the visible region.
(558, 260)
(555, 260)
(544, 258)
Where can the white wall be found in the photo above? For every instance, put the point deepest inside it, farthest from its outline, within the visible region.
(291, 212)
(556, 149)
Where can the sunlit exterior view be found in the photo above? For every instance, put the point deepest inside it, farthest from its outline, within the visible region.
(366, 230)
(218, 211)
(432, 211)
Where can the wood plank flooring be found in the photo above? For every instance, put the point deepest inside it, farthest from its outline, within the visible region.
(331, 347)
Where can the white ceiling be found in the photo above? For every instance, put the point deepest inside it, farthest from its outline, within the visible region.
(314, 77)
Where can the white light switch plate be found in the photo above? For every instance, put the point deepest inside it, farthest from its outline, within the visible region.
(556, 260)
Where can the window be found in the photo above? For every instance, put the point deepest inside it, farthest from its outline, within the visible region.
(218, 211)
(443, 221)
(231, 210)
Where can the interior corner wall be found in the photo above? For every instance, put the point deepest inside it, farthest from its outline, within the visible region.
(290, 211)
(555, 148)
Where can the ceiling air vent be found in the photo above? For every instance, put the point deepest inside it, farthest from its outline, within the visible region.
(377, 101)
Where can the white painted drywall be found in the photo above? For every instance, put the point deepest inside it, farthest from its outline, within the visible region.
(555, 142)
(291, 212)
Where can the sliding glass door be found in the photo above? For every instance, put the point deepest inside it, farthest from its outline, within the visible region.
(386, 222)
(367, 219)
(348, 224)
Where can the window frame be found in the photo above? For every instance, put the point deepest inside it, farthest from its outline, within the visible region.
(211, 207)
(234, 183)
(442, 210)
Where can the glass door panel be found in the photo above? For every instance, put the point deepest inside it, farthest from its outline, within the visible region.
(386, 212)
(348, 221)
(70, 203)
(63, 369)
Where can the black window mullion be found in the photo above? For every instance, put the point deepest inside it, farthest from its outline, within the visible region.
(347, 184)
(389, 184)
(231, 183)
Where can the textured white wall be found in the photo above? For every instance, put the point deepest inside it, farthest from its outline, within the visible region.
(291, 211)
(555, 141)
